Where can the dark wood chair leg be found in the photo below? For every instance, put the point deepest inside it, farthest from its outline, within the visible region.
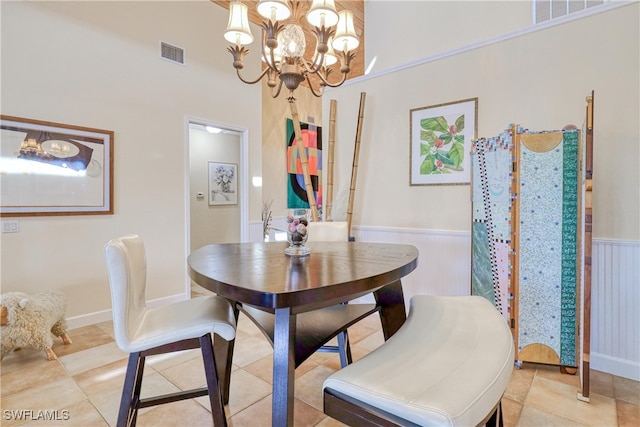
(131, 401)
(496, 417)
(223, 351)
(128, 412)
(213, 385)
(344, 349)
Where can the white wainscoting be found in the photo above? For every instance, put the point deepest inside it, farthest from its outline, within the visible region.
(615, 307)
(444, 268)
(444, 263)
(255, 231)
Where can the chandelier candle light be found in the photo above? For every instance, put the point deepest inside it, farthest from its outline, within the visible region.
(283, 48)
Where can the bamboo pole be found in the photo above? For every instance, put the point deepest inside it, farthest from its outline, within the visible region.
(514, 256)
(302, 153)
(354, 168)
(588, 253)
(332, 139)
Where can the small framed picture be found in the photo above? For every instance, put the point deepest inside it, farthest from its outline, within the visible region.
(441, 138)
(223, 183)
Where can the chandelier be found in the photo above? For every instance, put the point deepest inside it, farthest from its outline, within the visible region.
(284, 43)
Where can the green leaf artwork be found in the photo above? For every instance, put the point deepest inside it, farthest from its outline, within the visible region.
(442, 145)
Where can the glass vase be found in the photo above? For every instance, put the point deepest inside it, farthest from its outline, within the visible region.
(297, 221)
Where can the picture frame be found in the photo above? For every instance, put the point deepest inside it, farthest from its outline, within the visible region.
(440, 142)
(54, 169)
(297, 196)
(223, 183)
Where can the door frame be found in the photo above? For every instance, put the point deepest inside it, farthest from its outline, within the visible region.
(243, 173)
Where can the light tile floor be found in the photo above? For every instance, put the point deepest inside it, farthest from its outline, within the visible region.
(82, 387)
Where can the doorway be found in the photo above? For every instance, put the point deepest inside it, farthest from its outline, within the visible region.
(217, 184)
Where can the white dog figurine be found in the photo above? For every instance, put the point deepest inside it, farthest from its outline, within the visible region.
(30, 321)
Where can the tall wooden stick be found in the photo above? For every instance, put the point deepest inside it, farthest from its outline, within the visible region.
(514, 260)
(588, 252)
(303, 158)
(354, 168)
(332, 139)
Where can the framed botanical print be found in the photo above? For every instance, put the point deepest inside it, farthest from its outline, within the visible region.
(440, 140)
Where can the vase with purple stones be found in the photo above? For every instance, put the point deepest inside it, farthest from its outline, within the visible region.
(297, 221)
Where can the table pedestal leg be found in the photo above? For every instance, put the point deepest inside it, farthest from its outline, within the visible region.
(392, 313)
(283, 367)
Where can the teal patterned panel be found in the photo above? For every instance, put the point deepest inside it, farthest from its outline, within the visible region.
(502, 252)
(570, 187)
(481, 278)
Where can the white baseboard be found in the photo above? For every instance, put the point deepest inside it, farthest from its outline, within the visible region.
(612, 365)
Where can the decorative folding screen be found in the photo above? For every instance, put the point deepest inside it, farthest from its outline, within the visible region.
(526, 190)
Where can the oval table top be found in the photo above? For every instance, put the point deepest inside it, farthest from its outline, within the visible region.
(260, 274)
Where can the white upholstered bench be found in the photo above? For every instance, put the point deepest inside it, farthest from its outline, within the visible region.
(448, 365)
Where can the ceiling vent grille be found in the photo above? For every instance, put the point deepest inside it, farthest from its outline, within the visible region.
(172, 53)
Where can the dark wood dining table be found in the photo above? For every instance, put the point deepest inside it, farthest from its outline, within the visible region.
(297, 301)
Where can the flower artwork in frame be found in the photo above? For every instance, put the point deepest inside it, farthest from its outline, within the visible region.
(223, 183)
(440, 144)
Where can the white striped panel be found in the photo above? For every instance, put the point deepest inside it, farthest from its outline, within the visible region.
(444, 263)
(255, 232)
(615, 313)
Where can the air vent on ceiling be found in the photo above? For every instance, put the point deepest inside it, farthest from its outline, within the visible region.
(172, 53)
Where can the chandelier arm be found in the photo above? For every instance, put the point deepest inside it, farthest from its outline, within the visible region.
(262, 74)
(273, 64)
(278, 91)
(315, 66)
(313, 91)
(323, 35)
(326, 82)
(268, 54)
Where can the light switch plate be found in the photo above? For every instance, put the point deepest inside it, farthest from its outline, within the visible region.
(10, 226)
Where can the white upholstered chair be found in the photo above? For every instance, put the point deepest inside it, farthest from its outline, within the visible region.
(333, 231)
(142, 331)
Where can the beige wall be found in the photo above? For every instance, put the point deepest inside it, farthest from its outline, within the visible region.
(97, 64)
(424, 28)
(539, 80)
